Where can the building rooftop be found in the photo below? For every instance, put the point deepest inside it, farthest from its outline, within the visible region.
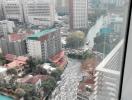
(17, 62)
(33, 79)
(112, 62)
(2, 69)
(42, 33)
(18, 36)
(10, 57)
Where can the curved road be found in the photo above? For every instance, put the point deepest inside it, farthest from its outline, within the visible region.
(93, 31)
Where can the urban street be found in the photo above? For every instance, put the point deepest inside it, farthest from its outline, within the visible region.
(67, 87)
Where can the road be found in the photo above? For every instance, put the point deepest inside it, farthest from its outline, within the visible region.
(67, 88)
(93, 31)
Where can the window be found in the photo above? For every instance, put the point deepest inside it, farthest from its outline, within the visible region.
(74, 49)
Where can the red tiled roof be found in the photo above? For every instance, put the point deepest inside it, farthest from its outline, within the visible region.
(57, 57)
(20, 36)
(16, 37)
(36, 78)
(22, 58)
(43, 77)
(33, 80)
(61, 62)
(89, 81)
(16, 62)
(10, 57)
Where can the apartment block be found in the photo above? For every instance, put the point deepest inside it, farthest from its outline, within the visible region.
(6, 27)
(13, 9)
(44, 44)
(78, 10)
(39, 12)
(107, 75)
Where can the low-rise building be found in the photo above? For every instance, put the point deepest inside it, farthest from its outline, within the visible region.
(48, 67)
(10, 57)
(3, 71)
(18, 64)
(14, 43)
(34, 80)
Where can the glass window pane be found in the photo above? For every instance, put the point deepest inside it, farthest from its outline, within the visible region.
(62, 49)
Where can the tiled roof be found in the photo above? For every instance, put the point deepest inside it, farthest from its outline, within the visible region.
(16, 62)
(33, 79)
(10, 57)
(15, 37)
(20, 36)
(58, 56)
(22, 58)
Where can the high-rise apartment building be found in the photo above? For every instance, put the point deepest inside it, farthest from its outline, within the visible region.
(44, 44)
(62, 6)
(13, 9)
(78, 10)
(1, 11)
(117, 3)
(4, 45)
(6, 27)
(107, 75)
(39, 12)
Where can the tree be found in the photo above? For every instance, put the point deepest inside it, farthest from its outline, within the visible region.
(12, 71)
(32, 64)
(40, 70)
(56, 74)
(20, 92)
(75, 40)
(49, 84)
(2, 59)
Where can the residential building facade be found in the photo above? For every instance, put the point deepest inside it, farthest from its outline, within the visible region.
(44, 44)
(78, 10)
(3, 73)
(62, 6)
(107, 75)
(6, 27)
(39, 12)
(4, 45)
(13, 9)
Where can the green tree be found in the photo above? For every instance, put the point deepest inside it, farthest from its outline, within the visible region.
(12, 71)
(2, 59)
(40, 70)
(49, 84)
(56, 74)
(32, 64)
(75, 39)
(20, 92)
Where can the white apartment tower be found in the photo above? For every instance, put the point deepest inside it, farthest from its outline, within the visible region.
(107, 75)
(39, 12)
(78, 10)
(13, 9)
